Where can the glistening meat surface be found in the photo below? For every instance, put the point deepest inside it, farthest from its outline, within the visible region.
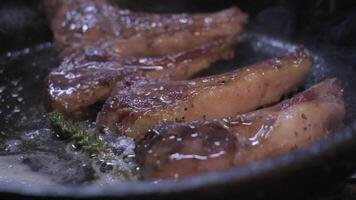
(82, 23)
(136, 106)
(82, 80)
(176, 150)
(102, 43)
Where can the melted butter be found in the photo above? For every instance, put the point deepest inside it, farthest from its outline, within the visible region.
(12, 171)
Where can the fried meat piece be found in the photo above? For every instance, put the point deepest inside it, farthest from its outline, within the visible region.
(176, 150)
(101, 44)
(133, 109)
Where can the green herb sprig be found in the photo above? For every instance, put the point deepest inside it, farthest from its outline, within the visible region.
(91, 143)
(88, 141)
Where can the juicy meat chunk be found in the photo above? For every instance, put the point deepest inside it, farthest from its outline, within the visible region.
(133, 109)
(84, 79)
(101, 44)
(175, 150)
(82, 23)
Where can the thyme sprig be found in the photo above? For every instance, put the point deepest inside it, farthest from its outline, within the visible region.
(90, 142)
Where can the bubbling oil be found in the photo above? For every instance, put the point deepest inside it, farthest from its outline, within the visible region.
(30, 151)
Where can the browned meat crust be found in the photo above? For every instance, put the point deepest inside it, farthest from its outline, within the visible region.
(102, 43)
(133, 109)
(175, 150)
(82, 23)
(81, 81)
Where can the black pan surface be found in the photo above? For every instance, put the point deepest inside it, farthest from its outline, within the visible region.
(34, 162)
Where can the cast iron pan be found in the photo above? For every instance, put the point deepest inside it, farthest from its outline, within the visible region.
(327, 29)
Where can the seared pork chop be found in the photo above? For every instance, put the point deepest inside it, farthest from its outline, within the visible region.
(175, 150)
(82, 23)
(101, 44)
(82, 80)
(133, 109)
